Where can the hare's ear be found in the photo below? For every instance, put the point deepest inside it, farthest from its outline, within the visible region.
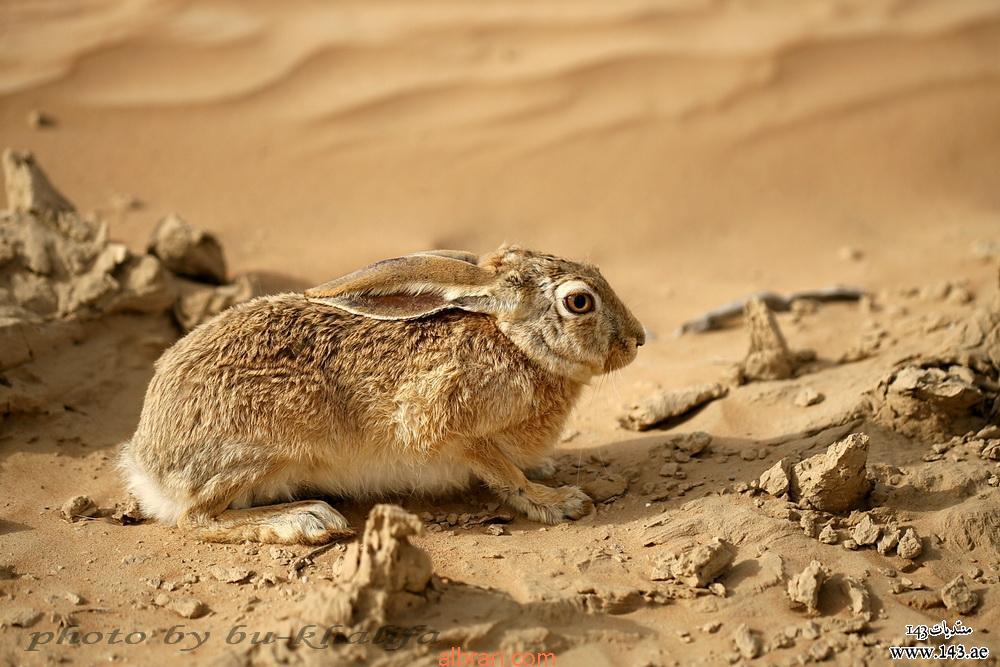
(408, 287)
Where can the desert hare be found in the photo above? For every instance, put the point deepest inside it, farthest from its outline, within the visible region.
(415, 374)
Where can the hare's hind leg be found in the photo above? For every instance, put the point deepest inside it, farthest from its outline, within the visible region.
(305, 522)
(537, 501)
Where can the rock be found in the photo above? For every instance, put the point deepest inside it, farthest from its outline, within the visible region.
(95, 289)
(230, 575)
(666, 404)
(858, 597)
(128, 512)
(186, 607)
(382, 575)
(669, 469)
(990, 450)
(769, 357)
(33, 292)
(145, 287)
(187, 251)
(199, 303)
(803, 588)
(775, 480)
(693, 443)
(835, 480)
(926, 401)
(78, 507)
(958, 597)
(889, 541)
(909, 545)
(770, 573)
(748, 642)
(38, 120)
(609, 599)
(923, 600)
(122, 202)
(828, 535)
(820, 651)
(866, 532)
(809, 522)
(28, 188)
(606, 487)
(14, 347)
(807, 397)
(711, 627)
(850, 254)
(697, 565)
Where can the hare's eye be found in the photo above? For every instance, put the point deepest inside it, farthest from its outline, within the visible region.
(579, 303)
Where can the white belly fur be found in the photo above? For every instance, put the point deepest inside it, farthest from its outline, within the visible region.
(348, 476)
(361, 479)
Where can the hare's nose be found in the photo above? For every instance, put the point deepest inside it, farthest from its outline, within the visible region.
(640, 335)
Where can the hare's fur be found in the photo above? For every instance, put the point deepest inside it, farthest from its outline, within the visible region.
(292, 402)
(286, 396)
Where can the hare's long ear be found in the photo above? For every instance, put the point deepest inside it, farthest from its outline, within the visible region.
(408, 287)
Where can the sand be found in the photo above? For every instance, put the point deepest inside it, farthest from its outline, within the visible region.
(698, 152)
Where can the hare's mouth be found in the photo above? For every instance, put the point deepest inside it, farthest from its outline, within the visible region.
(621, 356)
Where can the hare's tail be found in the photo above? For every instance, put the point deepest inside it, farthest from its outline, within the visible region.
(155, 501)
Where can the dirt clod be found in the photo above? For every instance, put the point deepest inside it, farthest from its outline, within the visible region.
(666, 404)
(128, 512)
(697, 565)
(769, 357)
(835, 480)
(803, 588)
(958, 597)
(78, 507)
(28, 188)
(382, 575)
(776, 480)
(186, 607)
(866, 532)
(807, 397)
(909, 545)
(858, 597)
(605, 487)
(747, 641)
(198, 302)
(187, 251)
(230, 575)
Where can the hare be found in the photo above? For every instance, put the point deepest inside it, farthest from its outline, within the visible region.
(413, 375)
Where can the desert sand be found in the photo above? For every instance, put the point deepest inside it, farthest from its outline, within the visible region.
(697, 151)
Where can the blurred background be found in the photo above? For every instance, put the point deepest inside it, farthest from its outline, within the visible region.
(695, 149)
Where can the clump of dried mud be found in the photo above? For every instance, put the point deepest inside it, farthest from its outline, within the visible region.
(59, 270)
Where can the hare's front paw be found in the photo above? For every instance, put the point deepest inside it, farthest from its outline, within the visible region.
(548, 505)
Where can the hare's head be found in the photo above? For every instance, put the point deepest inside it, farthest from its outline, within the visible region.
(561, 314)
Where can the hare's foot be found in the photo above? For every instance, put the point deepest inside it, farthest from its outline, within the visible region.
(306, 522)
(536, 501)
(544, 470)
(547, 505)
